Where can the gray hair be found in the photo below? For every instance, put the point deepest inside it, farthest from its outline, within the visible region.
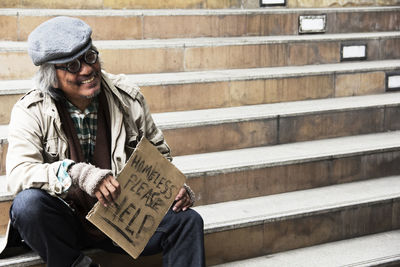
(46, 81)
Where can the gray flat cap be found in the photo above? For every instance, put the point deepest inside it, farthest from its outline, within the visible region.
(59, 40)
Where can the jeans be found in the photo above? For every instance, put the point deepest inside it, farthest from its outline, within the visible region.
(49, 227)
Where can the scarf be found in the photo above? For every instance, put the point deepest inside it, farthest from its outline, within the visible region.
(79, 200)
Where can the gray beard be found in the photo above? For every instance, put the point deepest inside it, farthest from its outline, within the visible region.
(93, 95)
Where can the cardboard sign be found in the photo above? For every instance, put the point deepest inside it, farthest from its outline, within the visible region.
(149, 184)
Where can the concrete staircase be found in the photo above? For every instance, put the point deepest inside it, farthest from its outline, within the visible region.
(292, 146)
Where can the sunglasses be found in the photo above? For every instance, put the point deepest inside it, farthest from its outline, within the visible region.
(90, 57)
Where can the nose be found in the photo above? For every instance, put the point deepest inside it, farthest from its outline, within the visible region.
(85, 68)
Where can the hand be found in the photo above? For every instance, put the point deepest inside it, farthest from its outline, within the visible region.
(183, 201)
(108, 191)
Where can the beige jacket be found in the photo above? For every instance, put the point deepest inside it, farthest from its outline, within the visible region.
(37, 144)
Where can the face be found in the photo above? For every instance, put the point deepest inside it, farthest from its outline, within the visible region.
(82, 86)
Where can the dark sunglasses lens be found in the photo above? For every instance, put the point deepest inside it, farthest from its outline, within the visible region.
(74, 66)
(91, 57)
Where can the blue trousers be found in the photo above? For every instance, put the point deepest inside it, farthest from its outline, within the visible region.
(49, 227)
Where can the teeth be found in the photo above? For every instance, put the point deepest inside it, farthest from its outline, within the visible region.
(88, 81)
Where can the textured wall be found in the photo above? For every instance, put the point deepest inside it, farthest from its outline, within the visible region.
(121, 4)
(172, 4)
(341, 3)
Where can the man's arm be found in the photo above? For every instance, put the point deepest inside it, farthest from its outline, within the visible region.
(26, 164)
(34, 161)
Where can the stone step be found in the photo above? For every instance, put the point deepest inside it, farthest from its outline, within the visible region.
(4, 195)
(153, 24)
(271, 124)
(259, 226)
(336, 3)
(26, 258)
(125, 4)
(237, 87)
(253, 227)
(5, 204)
(189, 4)
(167, 92)
(188, 132)
(3, 150)
(261, 171)
(22, 260)
(381, 249)
(195, 54)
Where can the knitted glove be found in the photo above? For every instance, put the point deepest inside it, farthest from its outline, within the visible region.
(87, 176)
(190, 192)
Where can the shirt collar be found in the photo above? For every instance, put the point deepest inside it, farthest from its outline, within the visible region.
(92, 108)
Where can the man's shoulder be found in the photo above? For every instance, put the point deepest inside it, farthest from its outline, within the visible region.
(31, 97)
(124, 85)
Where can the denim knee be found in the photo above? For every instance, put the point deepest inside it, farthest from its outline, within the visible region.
(47, 225)
(184, 239)
(194, 218)
(30, 206)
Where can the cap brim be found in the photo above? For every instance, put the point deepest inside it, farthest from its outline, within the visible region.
(70, 58)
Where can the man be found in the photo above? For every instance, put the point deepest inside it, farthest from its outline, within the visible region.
(67, 141)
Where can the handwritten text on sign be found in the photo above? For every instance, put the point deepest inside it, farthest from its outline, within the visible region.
(149, 184)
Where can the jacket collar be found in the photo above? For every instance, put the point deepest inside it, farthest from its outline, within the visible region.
(110, 89)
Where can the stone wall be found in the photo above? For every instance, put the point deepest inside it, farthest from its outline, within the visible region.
(184, 4)
(341, 3)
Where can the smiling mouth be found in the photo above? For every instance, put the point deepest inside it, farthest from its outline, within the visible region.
(88, 81)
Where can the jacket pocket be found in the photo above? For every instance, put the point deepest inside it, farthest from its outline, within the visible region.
(131, 145)
(51, 152)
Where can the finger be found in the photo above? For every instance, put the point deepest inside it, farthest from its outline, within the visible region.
(112, 186)
(178, 206)
(181, 193)
(112, 190)
(106, 194)
(179, 199)
(182, 203)
(100, 198)
(187, 205)
(115, 183)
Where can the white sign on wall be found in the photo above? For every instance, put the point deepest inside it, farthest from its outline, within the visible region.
(354, 52)
(272, 2)
(312, 24)
(393, 82)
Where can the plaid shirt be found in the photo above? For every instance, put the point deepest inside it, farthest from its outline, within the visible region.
(86, 126)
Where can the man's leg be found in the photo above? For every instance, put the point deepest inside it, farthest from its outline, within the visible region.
(49, 227)
(180, 237)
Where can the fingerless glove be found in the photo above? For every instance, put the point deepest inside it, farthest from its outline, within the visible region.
(87, 177)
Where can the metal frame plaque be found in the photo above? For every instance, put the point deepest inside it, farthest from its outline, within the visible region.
(312, 23)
